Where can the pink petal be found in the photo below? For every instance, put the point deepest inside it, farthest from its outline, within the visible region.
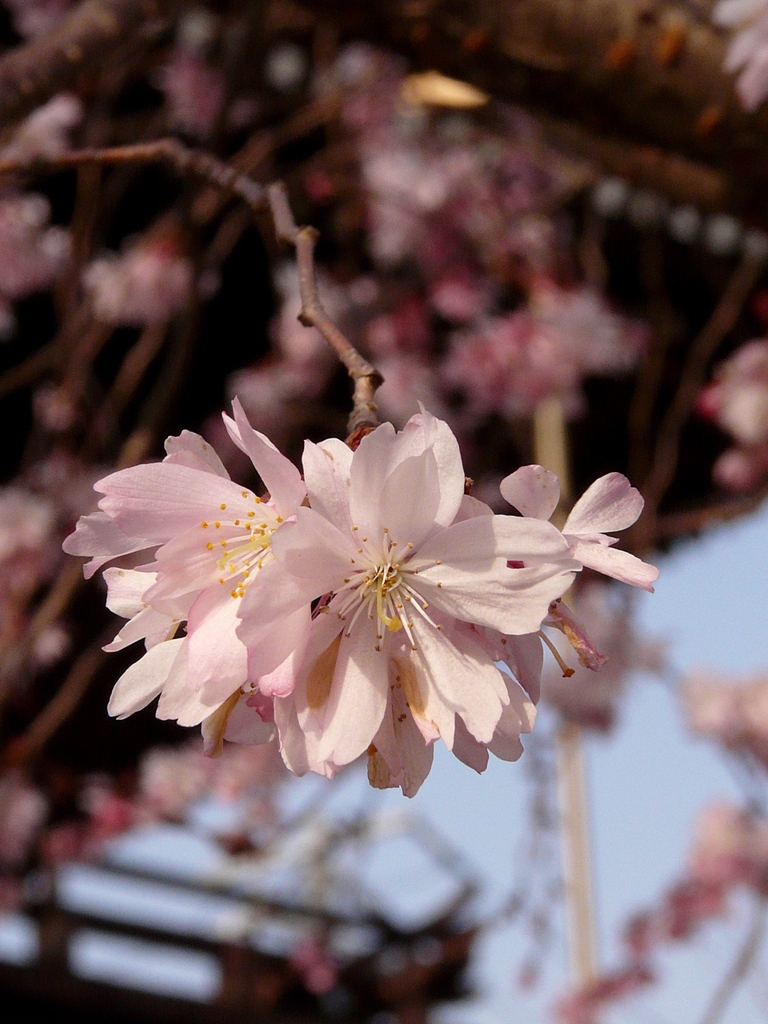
(326, 471)
(610, 503)
(410, 499)
(313, 549)
(275, 661)
(532, 490)
(351, 716)
(144, 680)
(271, 597)
(281, 478)
(98, 536)
(406, 755)
(478, 587)
(159, 500)
(468, 750)
(462, 676)
(179, 701)
(621, 565)
(436, 436)
(149, 625)
(217, 658)
(192, 450)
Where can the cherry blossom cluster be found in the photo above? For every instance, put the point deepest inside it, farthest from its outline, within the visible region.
(364, 608)
(732, 711)
(737, 400)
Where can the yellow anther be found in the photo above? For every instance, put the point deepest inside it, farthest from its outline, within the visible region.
(221, 579)
(217, 524)
(204, 525)
(257, 500)
(209, 546)
(244, 493)
(237, 522)
(223, 505)
(251, 514)
(223, 543)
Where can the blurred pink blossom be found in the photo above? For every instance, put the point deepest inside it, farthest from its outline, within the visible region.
(737, 400)
(730, 710)
(748, 48)
(45, 133)
(37, 17)
(148, 283)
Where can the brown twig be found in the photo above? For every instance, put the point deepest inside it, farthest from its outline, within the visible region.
(366, 378)
(740, 966)
(667, 451)
(184, 160)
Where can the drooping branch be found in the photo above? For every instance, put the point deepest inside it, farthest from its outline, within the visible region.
(32, 73)
(638, 71)
(365, 377)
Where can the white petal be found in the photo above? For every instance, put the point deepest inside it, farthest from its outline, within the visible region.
(410, 499)
(532, 490)
(281, 478)
(147, 624)
(217, 658)
(298, 750)
(326, 472)
(179, 701)
(313, 549)
(125, 590)
(462, 676)
(610, 503)
(358, 697)
(621, 565)
(159, 500)
(144, 680)
(190, 449)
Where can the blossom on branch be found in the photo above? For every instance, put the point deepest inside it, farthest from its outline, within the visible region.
(417, 601)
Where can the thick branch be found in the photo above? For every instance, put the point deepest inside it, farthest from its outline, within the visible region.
(31, 74)
(639, 70)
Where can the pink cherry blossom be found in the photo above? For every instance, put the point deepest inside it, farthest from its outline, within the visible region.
(737, 400)
(748, 49)
(211, 536)
(148, 283)
(392, 659)
(730, 710)
(610, 503)
(45, 132)
(730, 847)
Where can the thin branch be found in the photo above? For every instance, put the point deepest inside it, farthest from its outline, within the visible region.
(741, 966)
(184, 160)
(366, 378)
(67, 698)
(666, 455)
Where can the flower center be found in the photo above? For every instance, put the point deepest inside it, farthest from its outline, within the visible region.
(241, 542)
